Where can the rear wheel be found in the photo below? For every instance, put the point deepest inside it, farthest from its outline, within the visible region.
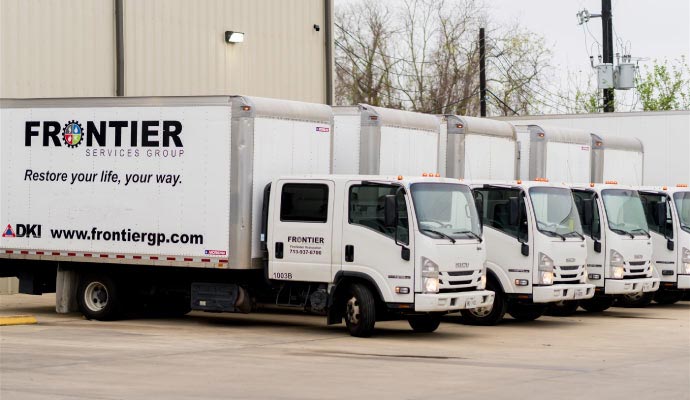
(424, 323)
(597, 304)
(360, 311)
(98, 298)
(489, 315)
(639, 299)
(563, 308)
(526, 312)
(668, 297)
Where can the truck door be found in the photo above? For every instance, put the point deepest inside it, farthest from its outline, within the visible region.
(593, 233)
(505, 238)
(369, 247)
(301, 235)
(661, 230)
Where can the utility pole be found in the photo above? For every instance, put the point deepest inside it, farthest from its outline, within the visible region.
(607, 33)
(482, 73)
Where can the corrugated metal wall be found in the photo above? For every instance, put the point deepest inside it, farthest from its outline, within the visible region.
(66, 48)
(185, 53)
(52, 48)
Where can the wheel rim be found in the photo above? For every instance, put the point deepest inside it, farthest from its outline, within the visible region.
(96, 296)
(352, 311)
(634, 296)
(481, 312)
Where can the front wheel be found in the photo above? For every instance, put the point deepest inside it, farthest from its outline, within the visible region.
(526, 312)
(489, 315)
(668, 297)
(638, 299)
(424, 323)
(597, 304)
(360, 311)
(563, 308)
(98, 298)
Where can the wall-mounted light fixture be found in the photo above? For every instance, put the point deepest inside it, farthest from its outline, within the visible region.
(234, 37)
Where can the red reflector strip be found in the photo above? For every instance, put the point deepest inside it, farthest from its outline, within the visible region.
(205, 260)
(189, 259)
(136, 257)
(153, 258)
(119, 256)
(40, 253)
(71, 254)
(9, 251)
(87, 254)
(170, 258)
(104, 256)
(223, 261)
(55, 253)
(24, 252)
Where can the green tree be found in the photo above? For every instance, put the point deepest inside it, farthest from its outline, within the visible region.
(665, 87)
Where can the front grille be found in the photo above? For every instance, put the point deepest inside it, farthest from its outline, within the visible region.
(636, 271)
(637, 263)
(569, 267)
(569, 276)
(467, 289)
(459, 273)
(459, 281)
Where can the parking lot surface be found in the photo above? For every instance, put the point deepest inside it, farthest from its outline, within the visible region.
(618, 354)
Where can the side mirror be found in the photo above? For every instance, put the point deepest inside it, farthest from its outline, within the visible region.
(661, 216)
(480, 209)
(670, 245)
(514, 210)
(524, 249)
(588, 211)
(597, 246)
(390, 214)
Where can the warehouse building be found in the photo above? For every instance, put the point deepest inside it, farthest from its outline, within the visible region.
(102, 48)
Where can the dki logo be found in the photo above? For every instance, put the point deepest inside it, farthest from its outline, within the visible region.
(22, 230)
(103, 133)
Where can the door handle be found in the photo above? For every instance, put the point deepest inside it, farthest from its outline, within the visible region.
(279, 249)
(349, 253)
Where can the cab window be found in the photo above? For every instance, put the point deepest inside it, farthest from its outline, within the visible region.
(304, 202)
(592, 230)
(366, 208)
(496, 210)
(650, 202)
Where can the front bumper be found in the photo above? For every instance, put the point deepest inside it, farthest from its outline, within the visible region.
(554, 293)
(443, 302)
(626, 286)
(683, 281)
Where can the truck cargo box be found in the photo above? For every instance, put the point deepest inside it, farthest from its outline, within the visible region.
(617, 158)
(373, 140)
(160, 181)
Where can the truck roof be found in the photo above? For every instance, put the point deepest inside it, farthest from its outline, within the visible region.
(630, 143)
(557, 134)
(665, 189)
(517, 183)
(459, 124)
(405, 180)
(598, 187)
(391, 117)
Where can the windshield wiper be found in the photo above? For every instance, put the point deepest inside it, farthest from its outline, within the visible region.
(622, 232)
(575, 232)
(554, 233)
(642, 231)
(474, 235)
(439, 233)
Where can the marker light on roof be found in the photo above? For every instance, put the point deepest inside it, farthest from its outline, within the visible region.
(400, 177)
(611, 182)
(591, 185)
(541, 179)
(682, 185)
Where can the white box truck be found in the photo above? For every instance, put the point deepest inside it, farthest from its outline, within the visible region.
(536, 252)
(375, 140)
(477, 148)
(668, 215)
(220, 204)
(619, 245)
(617, 158)
(554, 153)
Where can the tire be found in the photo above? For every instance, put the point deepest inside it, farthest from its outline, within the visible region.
(487, 316)
(98, 298)
(424, 323)
(563, 308)
(526, 312)
(360, 311)
(634, 300)
(597, 304)
(668, 297)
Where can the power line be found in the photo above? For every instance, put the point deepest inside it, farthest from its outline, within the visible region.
(502, 102)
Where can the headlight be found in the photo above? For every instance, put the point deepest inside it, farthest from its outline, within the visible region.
(617, 265)
(545, 271)
(482, 282)
(429, 276)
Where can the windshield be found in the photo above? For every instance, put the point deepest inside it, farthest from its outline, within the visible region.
(445, 210)
(555, 211)
(624, 212)
(682, 200)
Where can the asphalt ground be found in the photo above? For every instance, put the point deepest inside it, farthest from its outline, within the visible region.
(617, 354)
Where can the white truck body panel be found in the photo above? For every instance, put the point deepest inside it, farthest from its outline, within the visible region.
(374, 140)
(663, 134)
(619, 159)
(477, 148)
(212, 183)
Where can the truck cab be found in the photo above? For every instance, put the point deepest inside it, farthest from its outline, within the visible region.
(668, 215)
(368, 248)
(619, 245)
(536, 251)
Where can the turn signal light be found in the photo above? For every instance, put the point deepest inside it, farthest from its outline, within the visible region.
(402, 290)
